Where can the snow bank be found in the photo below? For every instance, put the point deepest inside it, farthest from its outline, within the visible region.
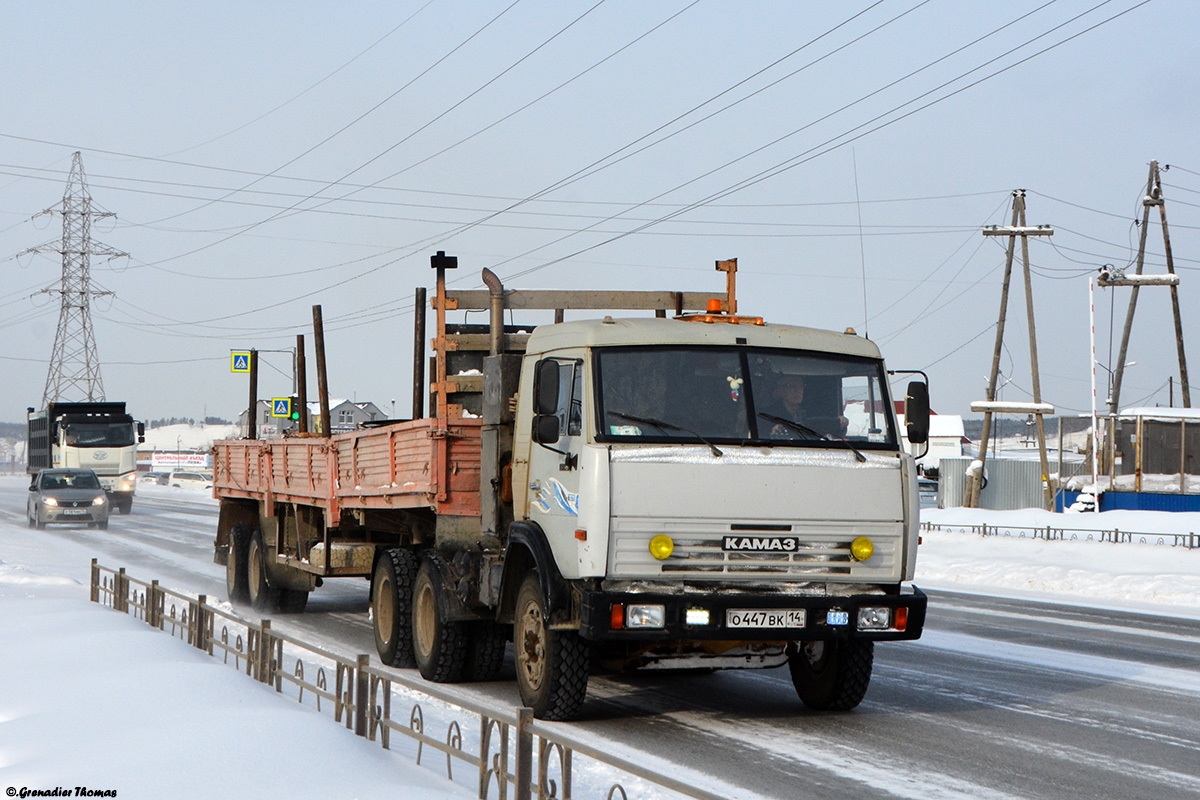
(98, 700)
(1151, 577)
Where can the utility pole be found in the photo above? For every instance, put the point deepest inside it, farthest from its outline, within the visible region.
(1016, 230)
(74, 372)
(1152, 198)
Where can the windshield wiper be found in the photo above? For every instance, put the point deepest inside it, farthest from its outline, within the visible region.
(815, 433)
(666, 426)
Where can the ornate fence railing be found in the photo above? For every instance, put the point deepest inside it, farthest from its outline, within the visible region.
(508, 752)
(1191, 541)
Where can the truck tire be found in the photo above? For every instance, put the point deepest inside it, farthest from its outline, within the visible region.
(292, 601)
(235, 565)
(552, 665)
(831, 675)
(125, 507)
(485, 650)
(263, 596)
(391, 606)
(439, 644)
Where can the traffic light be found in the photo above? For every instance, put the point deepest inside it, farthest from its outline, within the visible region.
(295, 406)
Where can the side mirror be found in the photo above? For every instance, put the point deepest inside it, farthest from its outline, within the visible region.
(141, 429)
(545, 429)
(545, 388)
(916, 412)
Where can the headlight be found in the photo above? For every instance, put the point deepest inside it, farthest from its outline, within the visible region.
(645, 616)
(874, 619)
(50, 501)
(99, 501)
(696, 616)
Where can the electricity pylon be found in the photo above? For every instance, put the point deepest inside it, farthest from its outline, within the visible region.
(74, 365)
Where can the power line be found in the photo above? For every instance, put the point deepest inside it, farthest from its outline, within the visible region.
(337, 133)
(297, 96)
(833, 143)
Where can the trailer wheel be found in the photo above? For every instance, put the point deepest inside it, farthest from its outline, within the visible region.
(831, 675)
(439, 644)
(292, 601)
(263, 596)
(552, 665)
(235, 565)
(391, 606)
(485, 650)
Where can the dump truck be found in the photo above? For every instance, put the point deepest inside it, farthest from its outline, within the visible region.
(95, 435)
(632, 492)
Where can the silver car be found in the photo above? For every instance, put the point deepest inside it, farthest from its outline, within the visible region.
(67, 496)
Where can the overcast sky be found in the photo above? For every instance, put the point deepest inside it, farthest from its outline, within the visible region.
(260, 158)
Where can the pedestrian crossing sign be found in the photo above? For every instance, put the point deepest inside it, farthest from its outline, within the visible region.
(241, 361)
(281, 406)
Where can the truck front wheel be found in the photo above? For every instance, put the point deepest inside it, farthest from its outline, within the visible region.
(552, 665)
(439, 644)
(391, 606)
(235, 565)
(831, 675)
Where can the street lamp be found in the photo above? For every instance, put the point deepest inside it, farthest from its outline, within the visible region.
(1128, 364)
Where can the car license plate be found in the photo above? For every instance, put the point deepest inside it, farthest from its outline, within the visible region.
(764, 618)
(837, 618)
(79, 512)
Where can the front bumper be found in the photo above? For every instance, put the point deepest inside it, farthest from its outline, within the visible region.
(822, 616)
(74, 515)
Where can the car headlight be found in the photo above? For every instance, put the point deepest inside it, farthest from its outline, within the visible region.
(99, 501)
(50, 501)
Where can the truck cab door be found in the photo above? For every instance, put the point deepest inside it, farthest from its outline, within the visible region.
(557, 435)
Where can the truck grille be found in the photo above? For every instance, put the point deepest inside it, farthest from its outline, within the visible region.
(822, 551)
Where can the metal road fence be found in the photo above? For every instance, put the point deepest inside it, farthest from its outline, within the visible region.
(1190, 541)
(508, 752)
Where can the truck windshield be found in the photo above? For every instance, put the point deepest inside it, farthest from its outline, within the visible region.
(743, 395)
(98, 434)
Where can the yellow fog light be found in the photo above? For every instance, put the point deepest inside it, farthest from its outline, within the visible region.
(661, 546)
(862, 548)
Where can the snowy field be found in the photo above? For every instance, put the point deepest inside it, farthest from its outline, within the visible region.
(92, 698)
(1149, 577)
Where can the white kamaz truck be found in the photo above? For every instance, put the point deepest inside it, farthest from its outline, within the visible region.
(702, 490)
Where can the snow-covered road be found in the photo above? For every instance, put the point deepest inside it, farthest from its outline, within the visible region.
(1003, 698)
